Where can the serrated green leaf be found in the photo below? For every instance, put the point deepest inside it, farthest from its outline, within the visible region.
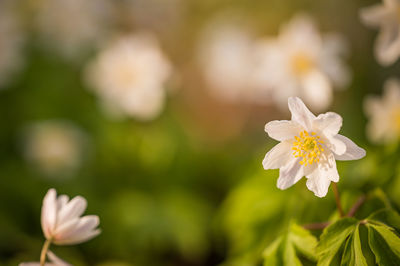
(271, 253)
(303, 241)
(332, 238)
(387, 216)
(353, 254)
(289, 253)
(385, 244)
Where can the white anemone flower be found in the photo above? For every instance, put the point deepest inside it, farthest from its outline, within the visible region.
(302, 62)
(61, 220)
(309, 146)
(54, 261)
(384, 114)
(129, 76)
(386, 16)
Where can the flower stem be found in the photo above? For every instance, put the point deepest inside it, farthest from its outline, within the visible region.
(337, 198)
(45, 248)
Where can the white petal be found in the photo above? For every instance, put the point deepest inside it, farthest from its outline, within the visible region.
(337, 145)
(318, 183)
(49, 213)
(317, 90)
(290, 174)
(83, 231)
(353, 152)
(72, 209)
(387, 48)
(278, 156)
(374, 15)
(283, 129)
(327, 168)
(300, 113)
(329, 123)
(62, 200)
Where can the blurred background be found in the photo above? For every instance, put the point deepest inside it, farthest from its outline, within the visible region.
(147, 109)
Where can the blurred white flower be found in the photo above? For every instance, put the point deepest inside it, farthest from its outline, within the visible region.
(226, 59)
(387, 17)
(54, 147)
(129, 76)
(384, 114)
(11, 41)
(54, 261)
(72, 26)
(309, 146)
(301, 62)
(61, 220)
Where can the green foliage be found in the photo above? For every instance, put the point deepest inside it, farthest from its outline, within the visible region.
(287, 249)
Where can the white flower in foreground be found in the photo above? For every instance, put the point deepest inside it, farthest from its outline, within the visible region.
(54, 147)
(72, 26)
(226, 60)
(61, 220)
(301, 62)
(387, 17)
(384, 113)
(309, 146)
(129, 76)
(54, 261)
(11, 41)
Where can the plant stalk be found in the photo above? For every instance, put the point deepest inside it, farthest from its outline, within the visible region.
(43, 254)
(337, 198)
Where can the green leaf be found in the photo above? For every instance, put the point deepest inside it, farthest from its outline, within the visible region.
(333, 238)
(353, 254)
(386, 216)
(384, 243)
(287, 248)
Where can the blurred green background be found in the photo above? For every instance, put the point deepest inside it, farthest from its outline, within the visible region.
(186, 188)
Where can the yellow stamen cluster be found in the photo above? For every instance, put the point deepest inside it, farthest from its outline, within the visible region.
(302, 63)
(308, 146)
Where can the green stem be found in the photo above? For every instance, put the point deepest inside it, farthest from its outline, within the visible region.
(337, 198)
(43, 254)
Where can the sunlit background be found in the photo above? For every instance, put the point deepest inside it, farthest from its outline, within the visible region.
(154, 111)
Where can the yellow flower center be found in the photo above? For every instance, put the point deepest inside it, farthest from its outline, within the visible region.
(307, 146)
(302, 63)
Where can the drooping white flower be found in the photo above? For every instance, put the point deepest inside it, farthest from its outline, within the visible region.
(301, 62)
(386, 16)
(309, 146)
(72, 26)
(226, 60)
(61, 220)
(54, 147)
(129, 76)
(54, 261)
(384, 114)
(11, 41)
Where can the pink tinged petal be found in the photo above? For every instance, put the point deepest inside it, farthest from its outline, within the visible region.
(374, 15)
(49, 213)
(56, 260)
(329, 123)
(278, 156)
(290, 174)
(300, 113)
(62, 200)
(282, 130)
(336, 144)
(72, 209)
(387, 48)
(317, 90)
(353, 152)
(81, 232)
(318, 183)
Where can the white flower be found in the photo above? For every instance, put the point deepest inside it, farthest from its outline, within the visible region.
(72, 26)
(226, 60)
(54, 147)
(384, 113)
(11, 41)
(309, 146)
(387, 17)
(301, 62)
(129, 76)
(54, 261)
(61, 220)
